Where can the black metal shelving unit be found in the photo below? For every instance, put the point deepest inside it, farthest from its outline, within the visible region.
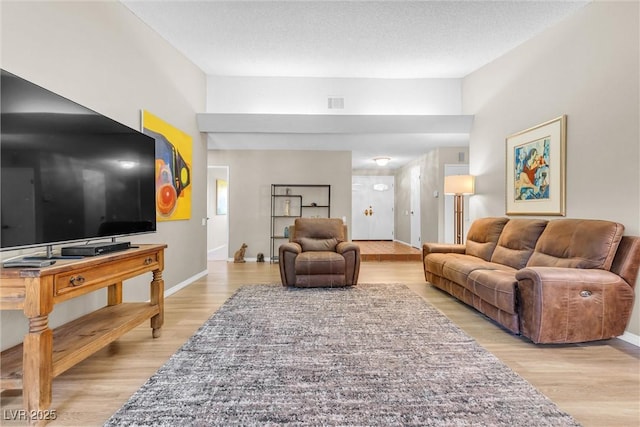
(291, 201)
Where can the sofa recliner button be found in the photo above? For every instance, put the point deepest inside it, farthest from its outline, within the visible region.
(585, 294)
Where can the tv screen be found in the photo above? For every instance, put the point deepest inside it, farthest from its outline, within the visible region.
(67, 172)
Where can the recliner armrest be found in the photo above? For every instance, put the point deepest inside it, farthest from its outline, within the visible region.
(288, 252)
(343, 247)
(291, 247)
(351, 253)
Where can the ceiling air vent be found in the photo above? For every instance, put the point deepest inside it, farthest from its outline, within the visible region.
(335, 103)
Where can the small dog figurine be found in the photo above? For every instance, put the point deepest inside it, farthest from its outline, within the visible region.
(239, 255)
(260, 257)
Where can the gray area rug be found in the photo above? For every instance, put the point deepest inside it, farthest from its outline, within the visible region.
(370, 355)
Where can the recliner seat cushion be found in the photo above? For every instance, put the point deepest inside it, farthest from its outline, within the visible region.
(577, 243)
(319, 262)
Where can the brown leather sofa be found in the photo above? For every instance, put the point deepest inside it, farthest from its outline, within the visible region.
(319, 255)
(558, 281)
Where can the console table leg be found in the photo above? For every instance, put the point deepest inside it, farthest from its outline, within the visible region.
(37, 365)
(114, 294)
(157, 297)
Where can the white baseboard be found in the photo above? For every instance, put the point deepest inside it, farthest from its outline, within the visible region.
(266, 260)
(218, 254)
(172, 290)
(630, 338)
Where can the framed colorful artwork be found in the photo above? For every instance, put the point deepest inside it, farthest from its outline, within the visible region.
(174, 152)
(536, 168)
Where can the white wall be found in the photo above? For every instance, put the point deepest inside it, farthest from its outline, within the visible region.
(587, 67)
(301, 95)
(307, 95)
(101, 56)
(251, 173)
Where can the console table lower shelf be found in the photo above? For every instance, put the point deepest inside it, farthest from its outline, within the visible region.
(45, 353)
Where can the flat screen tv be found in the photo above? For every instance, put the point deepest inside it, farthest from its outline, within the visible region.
(68, 173)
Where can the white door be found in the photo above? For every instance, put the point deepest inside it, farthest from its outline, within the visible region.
(372, 204)
(217, 221)
(415, 208)
(449, 219)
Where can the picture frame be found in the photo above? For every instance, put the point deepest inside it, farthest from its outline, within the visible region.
(174, 164)
(536, 169)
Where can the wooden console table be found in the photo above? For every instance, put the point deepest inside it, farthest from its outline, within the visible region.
(47, 353)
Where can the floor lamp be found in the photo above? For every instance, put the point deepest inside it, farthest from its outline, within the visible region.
(459, 185)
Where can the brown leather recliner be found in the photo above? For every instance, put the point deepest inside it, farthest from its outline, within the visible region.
(319, 255)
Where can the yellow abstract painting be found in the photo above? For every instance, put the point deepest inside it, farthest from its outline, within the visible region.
(174, 154)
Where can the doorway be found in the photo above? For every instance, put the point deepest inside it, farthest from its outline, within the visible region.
(372, 213)
(217, 219)
(416, 239)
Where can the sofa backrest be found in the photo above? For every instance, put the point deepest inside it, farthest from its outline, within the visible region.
(577, 243)
(483, 236)
(517, 241)
(318, 234)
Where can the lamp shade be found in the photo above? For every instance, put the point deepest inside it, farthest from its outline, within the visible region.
(459, 184)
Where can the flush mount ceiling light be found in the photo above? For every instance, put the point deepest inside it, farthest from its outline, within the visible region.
(381, 161)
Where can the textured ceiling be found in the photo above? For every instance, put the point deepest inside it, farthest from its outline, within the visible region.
(386, 39)
(372, 39)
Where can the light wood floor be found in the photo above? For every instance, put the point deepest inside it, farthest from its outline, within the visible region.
(385, 250)
(599, 384)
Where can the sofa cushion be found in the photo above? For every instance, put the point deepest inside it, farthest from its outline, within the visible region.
(458, 267)
(577, 243)
(483, 237)
(496, 287)
(309, 244)
(517, 241)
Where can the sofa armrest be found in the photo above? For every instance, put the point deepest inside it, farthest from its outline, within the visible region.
(443, 248)
(565, 305)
